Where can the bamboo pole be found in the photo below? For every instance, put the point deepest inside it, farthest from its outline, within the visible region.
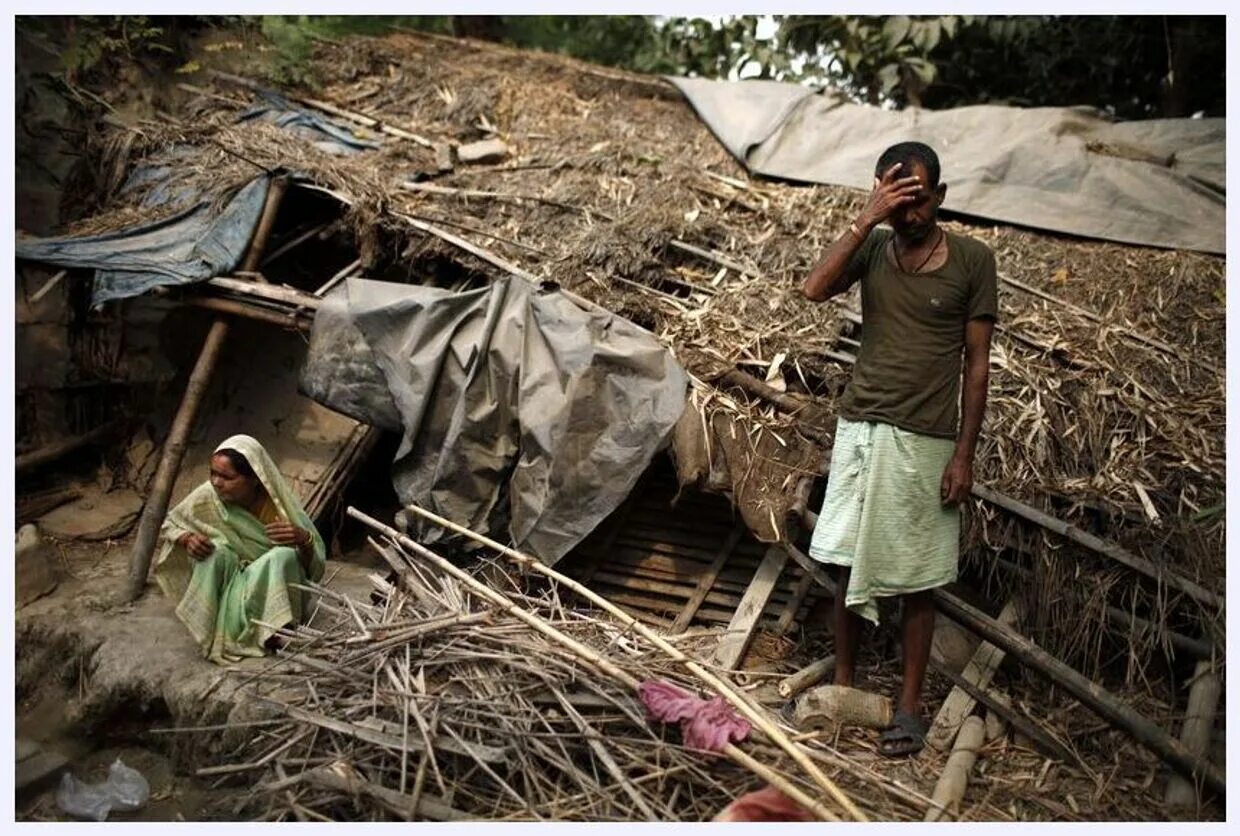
(156, 506)
(52, 452)
(807, 676)
(327, 107)
(1098, 545)
(758, 719)
(269, 292)
(288, 320)
(1101, 701)
(1195, 734)
(955, 778)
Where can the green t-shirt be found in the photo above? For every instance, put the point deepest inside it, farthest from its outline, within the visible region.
(912, 334)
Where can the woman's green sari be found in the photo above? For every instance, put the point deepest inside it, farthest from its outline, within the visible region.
(235, 599)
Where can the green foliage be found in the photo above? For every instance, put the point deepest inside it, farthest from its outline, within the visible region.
(615, 40)
(86, 42)
(1135, 66)
(294, 36)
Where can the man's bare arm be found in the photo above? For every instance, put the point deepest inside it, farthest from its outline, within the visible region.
(958, 477)
(836, 272)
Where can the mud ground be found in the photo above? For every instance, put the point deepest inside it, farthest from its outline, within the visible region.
(96, 680)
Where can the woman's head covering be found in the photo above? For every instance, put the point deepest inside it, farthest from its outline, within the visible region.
(268, 474)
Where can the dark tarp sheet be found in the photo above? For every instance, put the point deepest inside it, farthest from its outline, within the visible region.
(522, 414)
(202, 242)
(1158, 182)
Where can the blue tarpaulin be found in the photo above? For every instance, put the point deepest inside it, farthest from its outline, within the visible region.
(197, 244)
(206, 240)
(312, 127)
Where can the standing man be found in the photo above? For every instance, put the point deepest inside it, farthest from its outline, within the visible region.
(903, 455)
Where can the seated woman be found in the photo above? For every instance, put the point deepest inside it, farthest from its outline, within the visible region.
(232, 548)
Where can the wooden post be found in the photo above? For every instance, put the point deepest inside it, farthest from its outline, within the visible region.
(1198, 725)
(806, 677)
(178, 434)
(959, 703)
(735, 641)
(707, 580)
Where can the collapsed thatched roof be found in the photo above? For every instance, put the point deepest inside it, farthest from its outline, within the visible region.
(1106, 399)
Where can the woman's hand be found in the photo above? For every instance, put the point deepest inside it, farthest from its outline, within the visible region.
(286, 534)
(198, 546)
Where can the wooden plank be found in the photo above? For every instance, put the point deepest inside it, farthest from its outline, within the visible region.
(663, 610)
(799, 593)
(740, 630)
(707, 580)
(728, 597)
(704, 550)
(730, 579)
(600, 553)
(959, 703)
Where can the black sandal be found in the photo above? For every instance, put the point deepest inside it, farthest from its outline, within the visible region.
(905, 736)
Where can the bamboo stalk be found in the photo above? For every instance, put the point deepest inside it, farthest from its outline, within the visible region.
(47, 287)
(233, 307)
(1100, 546)
(1195, 734)
(271, 292)
(951, 785)
(350, 783)
(1101, 701)
(806, 677)
(53, 452)
(759, 720)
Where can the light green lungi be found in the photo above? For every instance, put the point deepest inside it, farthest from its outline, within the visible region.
(234, 600)
(883, 517)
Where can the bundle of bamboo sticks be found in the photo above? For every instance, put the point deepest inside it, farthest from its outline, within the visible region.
(490, 694)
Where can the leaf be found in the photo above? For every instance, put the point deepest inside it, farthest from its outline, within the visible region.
(187, 68)
(948, 22)
(931, 32)
(923, 68)
(896, 28)
(889, 77)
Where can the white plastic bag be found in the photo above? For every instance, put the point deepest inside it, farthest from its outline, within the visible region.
(125, 790)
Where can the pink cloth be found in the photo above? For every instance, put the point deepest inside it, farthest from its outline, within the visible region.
(705, 724)
(766, 804)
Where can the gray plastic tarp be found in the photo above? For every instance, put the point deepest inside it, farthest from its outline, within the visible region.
(521, 414)
(1157, 182)
(202, 242)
